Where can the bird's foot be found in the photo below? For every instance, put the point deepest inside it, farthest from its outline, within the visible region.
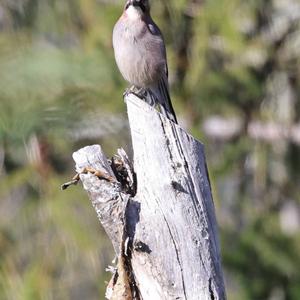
(139, 92)
(143, 94)
(128, 91)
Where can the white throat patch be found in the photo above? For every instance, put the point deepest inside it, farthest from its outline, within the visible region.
(134, 12)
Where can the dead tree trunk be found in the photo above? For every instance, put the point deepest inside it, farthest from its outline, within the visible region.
(159, 213)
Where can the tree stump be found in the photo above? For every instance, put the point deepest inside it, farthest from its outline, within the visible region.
(158, 211)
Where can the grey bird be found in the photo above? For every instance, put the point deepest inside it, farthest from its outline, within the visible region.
(140, 54)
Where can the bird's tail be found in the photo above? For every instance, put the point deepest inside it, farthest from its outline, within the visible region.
(162, 98)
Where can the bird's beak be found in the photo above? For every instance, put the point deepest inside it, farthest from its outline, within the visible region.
(134, 2)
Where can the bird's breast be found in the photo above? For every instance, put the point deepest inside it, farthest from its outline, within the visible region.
(139, 59)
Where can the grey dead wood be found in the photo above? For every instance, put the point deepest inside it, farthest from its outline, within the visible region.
(165, 233)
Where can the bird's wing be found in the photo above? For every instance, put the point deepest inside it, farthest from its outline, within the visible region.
(157, 45)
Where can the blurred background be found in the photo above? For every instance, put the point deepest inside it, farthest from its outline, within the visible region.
(235, 82)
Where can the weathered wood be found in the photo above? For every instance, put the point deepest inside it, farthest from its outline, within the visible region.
(107, 198)
(167, 230)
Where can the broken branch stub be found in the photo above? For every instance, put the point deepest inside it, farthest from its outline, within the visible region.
(108, 198)
(160, 217)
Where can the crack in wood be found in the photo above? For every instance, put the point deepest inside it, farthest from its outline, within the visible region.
(177, 255)
(211, 292)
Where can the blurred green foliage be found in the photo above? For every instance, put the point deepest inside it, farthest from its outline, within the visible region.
(60, 90)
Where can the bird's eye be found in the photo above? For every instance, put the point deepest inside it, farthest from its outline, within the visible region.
(142, 6)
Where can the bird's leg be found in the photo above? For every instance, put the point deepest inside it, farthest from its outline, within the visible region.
(139, 92)
(142, 93)
(129, 90)
(146, 95)
(86, 170)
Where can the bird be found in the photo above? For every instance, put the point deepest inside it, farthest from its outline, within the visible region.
(140, 54)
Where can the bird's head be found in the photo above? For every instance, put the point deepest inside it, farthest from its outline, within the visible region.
(137, 8)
